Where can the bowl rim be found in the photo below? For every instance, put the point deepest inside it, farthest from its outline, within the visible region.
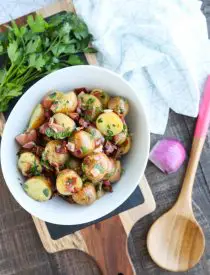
(110, 207)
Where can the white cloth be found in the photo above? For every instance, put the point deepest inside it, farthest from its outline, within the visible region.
(161, 47)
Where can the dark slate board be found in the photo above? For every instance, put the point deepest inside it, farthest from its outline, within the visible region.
(59, 231)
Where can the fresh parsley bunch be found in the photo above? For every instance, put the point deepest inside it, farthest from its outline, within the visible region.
(38, 48)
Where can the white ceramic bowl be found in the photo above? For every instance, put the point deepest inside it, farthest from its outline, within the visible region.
(56, 210)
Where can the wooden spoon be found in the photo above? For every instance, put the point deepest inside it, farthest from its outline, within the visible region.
(176, 241)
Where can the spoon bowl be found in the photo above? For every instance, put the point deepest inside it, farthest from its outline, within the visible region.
(176, 242)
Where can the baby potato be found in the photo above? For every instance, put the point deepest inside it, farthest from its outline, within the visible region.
(68, 182)
(95, 166)
(37, 117)
(102, 96)
(66, 122)
(126, 146)
(38, 188)
(49, 99)
(109, 124)
(119, 105)
(90, 105)
(29, 164)
(121, 137)
(111, 169)
(66, 104)
(86, 196)
(96, 134)
(74, 164)
(84, 144)
(117, 173)
(55, 159)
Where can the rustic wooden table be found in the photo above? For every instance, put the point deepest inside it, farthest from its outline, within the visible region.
(22, 253)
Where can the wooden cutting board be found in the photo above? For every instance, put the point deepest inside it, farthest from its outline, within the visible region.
(105, 241)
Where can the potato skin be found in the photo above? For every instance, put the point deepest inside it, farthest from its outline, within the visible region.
(126, 146)
(109, 124)
(37, 117)
(121, 137)
(66, 104)
(102, 96)
(68, 182)
(84, 144)
(119, 105)
(117, 173)
(74, 164)
(86, 196)
(29, 164)
(55, 159)
(65, 121)
(38, 188)
(111, 169)
(90, 105)
(96, 134)
(95, 166)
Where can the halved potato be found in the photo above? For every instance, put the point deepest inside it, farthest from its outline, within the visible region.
(37, 117)
(55, 159)
(95, 166)
(83, 142)
(66, 122)
(68, 182)
(29, 164)
(66, 104)
(119, 105)
(109, 124)
(111, 169)
(102, 96)
(38, 188)
(86, 196)
(117, 173)
(121, 137)
(126, 146)
(90, 105)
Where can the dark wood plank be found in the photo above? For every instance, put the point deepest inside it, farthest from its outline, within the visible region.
(107, 244)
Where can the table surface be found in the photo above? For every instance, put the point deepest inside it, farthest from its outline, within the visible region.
(21, 251)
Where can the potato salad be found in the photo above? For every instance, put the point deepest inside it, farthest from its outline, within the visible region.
(73, 145)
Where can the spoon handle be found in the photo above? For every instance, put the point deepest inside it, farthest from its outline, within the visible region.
(200, 133)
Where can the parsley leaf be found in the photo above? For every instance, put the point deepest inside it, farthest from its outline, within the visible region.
(75, 60)
(46, 192)
(37, 23)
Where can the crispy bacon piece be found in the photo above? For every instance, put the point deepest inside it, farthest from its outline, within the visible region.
(27, 137)
(43, 128)
(109, 147)
(107, 186)
(74, 116)
(83, 122)
(61, 149)
(29, 145)
(80, 90)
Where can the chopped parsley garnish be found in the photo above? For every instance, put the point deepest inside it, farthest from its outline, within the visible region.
(53, 95)
(99, 168)
(46, 192)
(109, 133)
(84, 149)
(34, 169)
(90, 101)
(61, 135)
(113, 125)
(100, 120)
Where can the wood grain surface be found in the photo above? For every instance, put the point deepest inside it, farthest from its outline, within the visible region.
(21, 250)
